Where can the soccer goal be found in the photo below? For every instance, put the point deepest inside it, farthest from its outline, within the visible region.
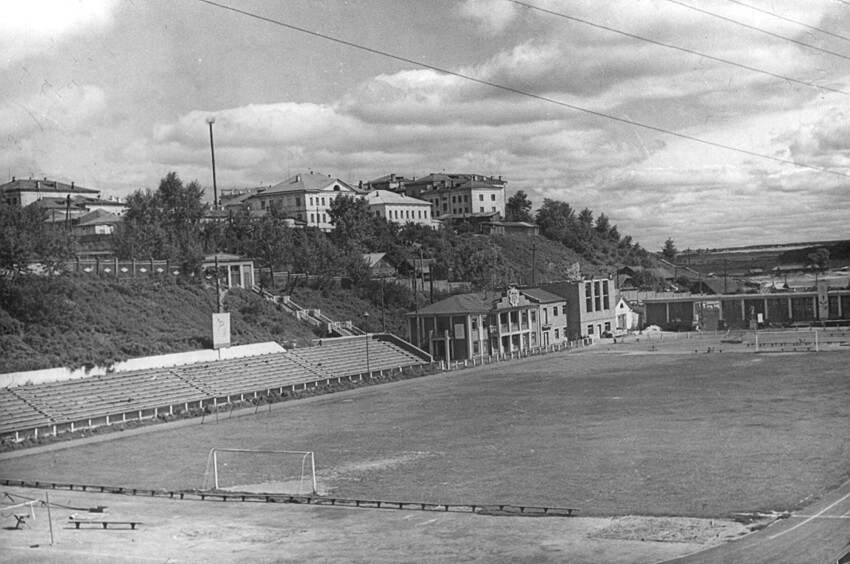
(261, 471)
(784, 341)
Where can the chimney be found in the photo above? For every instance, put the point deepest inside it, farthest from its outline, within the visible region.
(360, 185)
(72, 185)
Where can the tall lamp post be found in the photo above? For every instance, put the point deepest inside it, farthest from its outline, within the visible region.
(366, 326)
(211, 121)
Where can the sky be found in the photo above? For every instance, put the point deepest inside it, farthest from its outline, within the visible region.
(114, 94)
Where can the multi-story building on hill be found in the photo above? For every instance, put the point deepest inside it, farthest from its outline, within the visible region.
(306, 198)
(591, 306)
(398, 207)
(25, 191)
(451, 194)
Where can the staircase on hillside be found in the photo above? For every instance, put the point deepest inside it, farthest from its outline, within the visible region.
(312, 316)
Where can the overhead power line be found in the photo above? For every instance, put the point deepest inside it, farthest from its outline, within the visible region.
(515, 90)
(677, 48)
(775, 15)
(758, 29)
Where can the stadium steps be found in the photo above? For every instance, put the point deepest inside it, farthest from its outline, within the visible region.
(94, 400)
(16, 413)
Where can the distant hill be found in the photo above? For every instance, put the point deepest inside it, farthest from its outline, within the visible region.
(742, 260)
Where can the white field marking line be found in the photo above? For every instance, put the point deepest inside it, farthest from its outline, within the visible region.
(815, 516)
(427, 522)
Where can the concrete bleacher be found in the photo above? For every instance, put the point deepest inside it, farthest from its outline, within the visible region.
(51, 408)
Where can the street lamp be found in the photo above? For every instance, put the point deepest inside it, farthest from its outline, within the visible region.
(366, 327)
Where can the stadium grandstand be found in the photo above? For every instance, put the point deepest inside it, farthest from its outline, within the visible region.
(30, 411)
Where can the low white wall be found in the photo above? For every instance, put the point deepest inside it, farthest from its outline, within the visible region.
(161, 361)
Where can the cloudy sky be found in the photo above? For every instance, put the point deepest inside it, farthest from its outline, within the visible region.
(115, 94)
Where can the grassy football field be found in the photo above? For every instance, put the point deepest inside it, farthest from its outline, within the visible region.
(613, 434)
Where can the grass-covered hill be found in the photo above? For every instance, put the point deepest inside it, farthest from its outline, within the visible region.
(80, 320)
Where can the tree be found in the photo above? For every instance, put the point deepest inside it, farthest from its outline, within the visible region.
(669, 251)
(518, 208)
(270, 241)
(819, 258)
(351, 220)
(164, 224)
(26, 239)
(556, 220)
(603, 225)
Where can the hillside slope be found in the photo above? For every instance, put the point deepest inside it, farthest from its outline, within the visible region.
(86, 320)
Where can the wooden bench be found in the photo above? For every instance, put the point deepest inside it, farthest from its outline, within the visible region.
(78, 522)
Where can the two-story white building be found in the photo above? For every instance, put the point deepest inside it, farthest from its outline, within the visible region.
(398, 207)
(306, 198)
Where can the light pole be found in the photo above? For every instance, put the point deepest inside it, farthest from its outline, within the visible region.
(211, 121)
(366, 326)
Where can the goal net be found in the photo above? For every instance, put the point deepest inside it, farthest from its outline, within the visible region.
(261, 471)
(783, 341)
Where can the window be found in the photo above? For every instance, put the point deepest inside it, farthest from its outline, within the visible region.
(481, 198)
(298, 217)
(311, 200)
(323, 200)
(475, 324)
(597, 296)
(557, 335)
(533, 317)
(493, 197)
(606, 304)
(494, 208)
(607, 325)
(590, 329)
(298, 203)
(588, 296)
(312, 218)
(555, 311)
(481, 209)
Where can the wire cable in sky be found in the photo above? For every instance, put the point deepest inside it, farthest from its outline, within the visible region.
(758, 29)
(775, 15)
(515, 90)
(677, 48)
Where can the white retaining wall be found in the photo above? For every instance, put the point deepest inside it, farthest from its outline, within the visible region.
(161, 361)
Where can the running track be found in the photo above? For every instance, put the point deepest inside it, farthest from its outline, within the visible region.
(819, 534)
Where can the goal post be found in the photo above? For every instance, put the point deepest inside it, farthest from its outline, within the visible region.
(261, 471)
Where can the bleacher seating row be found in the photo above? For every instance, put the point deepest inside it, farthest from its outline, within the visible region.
(54, 407)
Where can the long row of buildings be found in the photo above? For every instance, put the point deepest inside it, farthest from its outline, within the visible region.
(304, 199)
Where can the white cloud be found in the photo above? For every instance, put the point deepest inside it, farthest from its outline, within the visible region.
(30, 27)
(492, 16)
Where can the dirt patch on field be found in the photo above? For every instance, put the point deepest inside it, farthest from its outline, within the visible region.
(669, 529)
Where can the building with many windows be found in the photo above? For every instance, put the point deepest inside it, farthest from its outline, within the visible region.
(481, 324)
(398, 207)
(591, 307)
(458, 193)
(305, 198)
(25, 191)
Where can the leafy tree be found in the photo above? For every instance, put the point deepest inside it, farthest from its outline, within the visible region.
(164, 224)
(518, 208)
(819, 258)
(669, 251)
(270, 241)
(26, 239)
(351, 220)
(585, 218)
(603, 224)
(556, 220)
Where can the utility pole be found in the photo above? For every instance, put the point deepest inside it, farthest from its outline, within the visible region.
(725, 288)
(533, 263)
(211, 121)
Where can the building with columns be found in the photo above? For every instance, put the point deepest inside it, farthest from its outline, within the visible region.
(478, 324)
